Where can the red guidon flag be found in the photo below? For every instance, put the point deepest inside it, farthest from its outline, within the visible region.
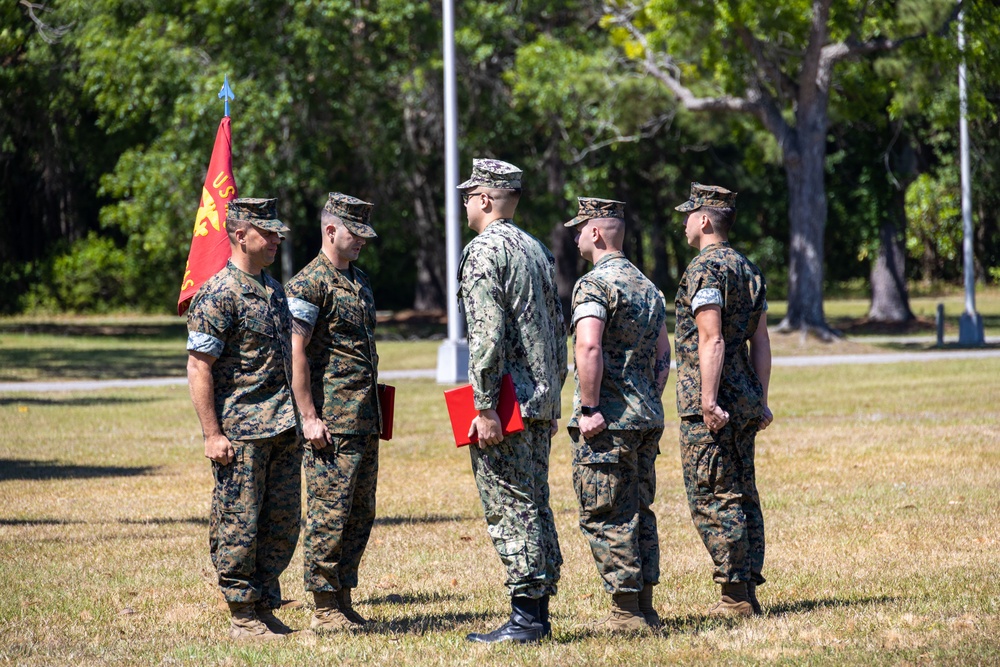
(210, 242)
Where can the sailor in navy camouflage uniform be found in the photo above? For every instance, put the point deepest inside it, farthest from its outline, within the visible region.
(515, 324)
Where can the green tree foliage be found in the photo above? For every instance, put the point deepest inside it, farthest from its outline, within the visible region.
(323, 90)
(927, 108)
(934, 235)
(108, 110)
(782, 64)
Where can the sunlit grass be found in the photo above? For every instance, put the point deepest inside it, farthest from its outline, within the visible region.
(878, 483)
(839, 312)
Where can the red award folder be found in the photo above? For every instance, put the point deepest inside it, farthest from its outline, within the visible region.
(387, 404)
(462, 410)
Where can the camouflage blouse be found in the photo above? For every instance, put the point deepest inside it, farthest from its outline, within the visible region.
(632, 310)
(508, 289)
(339, 307)
(720, 275)
(247, 327)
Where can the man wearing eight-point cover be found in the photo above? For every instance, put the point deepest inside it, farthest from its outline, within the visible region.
(515, 324)
(335, 383)
(622, 359)
(240, 374)
(723, 371)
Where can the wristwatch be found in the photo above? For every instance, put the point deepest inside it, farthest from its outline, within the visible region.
(589, 409)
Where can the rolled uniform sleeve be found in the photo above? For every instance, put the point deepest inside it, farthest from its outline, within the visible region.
(706, 296)
(305, 300)
(210, 321)
(589, 300)
(204, 343)
(301, 308)
(705, 287)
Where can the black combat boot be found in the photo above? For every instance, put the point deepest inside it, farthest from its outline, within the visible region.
(524, 626)
(754, 602)
(543, 616)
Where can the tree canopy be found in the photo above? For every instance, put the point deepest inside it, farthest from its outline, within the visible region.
(108, 110)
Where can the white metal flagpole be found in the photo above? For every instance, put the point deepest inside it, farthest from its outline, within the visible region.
(970, 325)
(453, 355)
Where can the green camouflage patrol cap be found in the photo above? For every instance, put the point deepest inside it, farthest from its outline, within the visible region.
(491, 173)
(592, 208)
(356, 214)
(261, 213)
(712, 196)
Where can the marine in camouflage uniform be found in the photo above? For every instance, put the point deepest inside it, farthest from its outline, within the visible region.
(240, 373)
(723, 371)
(621, 360)
(336, 375)
(515, 325)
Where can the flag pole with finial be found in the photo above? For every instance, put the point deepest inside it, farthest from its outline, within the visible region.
(226, 93)
(210, 241)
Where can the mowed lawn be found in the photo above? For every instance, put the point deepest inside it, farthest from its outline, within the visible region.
(105, 347)
(879, 484)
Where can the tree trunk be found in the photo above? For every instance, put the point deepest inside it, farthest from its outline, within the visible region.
(561, 240)
(890, 298)
(660, 272)
(429, 293)
(804, 163)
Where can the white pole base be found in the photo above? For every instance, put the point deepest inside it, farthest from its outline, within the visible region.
(453, 362)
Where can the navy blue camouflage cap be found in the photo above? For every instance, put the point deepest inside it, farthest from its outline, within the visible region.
(592, 208)
(711, 196)
(356, 214)
(261, 213)
(491, 173)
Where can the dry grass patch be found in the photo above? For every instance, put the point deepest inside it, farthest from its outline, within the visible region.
(879, 487)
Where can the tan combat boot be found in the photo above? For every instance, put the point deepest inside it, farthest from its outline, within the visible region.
(266, 616)
(647, 608)
(344, 601)
(625, 616)
(244, 623)
(328, 616)
(735, 602)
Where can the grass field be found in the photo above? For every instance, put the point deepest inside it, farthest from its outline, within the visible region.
(129, 346)
(879, 486)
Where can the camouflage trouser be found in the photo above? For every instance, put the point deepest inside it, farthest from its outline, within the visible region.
(614, 474)
(256, 515)
(513, 482)
(722, 494)
(340, 509)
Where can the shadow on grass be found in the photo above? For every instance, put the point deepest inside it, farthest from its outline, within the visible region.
(412, 598)
(131, 522)
(416, 520)
(166, 521)
(102, 364)
(39, 522)
(697, 623)
(420, 624)
(862, 326)
(824, 603)
(27, 469)
(76, 401)
(926, 347)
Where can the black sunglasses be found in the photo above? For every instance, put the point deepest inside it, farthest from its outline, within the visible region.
(466, 196)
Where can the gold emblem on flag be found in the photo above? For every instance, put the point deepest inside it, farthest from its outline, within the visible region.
(207, 213)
